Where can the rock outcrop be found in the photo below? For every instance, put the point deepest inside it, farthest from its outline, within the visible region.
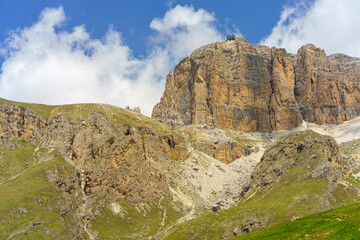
(247, 87)
(19, 123)
(313, 155)
(116, 160)
(218, 144)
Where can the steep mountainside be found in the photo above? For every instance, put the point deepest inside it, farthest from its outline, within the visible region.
(299, 174)
(247, 87)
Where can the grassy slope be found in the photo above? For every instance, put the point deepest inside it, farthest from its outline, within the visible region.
(13, 162)
(136, 221)
(341, 223)
(18, 156)
(275, 205)
(33, 192)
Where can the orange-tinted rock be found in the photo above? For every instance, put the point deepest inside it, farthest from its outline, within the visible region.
(19, 123)
(248, 87)
(117, 160)
(327, 89)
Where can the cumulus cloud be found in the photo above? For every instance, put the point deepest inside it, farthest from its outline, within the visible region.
(183, 29)
(329, 24)
(46, 64)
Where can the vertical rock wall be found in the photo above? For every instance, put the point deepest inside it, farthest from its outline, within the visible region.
(248, 87)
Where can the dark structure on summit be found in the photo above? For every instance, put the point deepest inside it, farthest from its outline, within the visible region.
(230, 37)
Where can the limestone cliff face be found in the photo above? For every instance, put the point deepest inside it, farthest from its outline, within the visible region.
(19, 123)
(116, 160)
(326, 88)
(255, 88)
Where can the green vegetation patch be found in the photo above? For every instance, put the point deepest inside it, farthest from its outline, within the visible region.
(121, 219)
(292, 199)
(115, 114)
(27, 205)
(341, 223)
(18, 156)
(352, 147)
(15, 157)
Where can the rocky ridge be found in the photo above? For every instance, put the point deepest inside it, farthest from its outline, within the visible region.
(247, 87)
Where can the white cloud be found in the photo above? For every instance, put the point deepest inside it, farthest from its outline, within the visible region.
(47, 65)
(183, 29)
(329, 24)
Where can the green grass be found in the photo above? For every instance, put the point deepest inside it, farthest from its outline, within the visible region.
(116, 114)
(134, 221)
(303, 135)
(353, 180)
(298, 199)
(33, 192)
(13, 162)
(341, 223)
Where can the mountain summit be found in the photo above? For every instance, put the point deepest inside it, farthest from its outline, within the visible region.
(247, 87)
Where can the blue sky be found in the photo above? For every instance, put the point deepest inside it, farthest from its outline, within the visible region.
(119, 52)
(255, 19)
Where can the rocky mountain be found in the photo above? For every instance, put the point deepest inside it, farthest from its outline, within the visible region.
(218, 168)
(247, 87)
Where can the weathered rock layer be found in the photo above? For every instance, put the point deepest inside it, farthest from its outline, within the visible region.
(248, 87)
